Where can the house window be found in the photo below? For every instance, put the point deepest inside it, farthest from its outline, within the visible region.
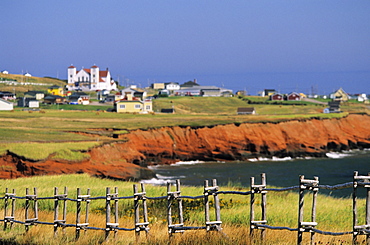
(147, 107)
(122, 106)
(137, 106)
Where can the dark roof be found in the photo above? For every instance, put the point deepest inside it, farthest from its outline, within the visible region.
(245, 109)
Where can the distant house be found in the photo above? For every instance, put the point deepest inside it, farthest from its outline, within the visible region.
(158, 86)
(6, 105)
(276, 96)
(293, 96)
(168, 110)
(54, 99)
(172, 86)
(362, 98)
(268, 92)
(5, 72)
(189, 84)
(133, 92)
(246, 110)
(80, 98)
(206, 91)
(38, 95)
(339, 95)
(133, 105)
(241, 93)
(56, 90)
(5, 95)
(27, 75)
(30, 102)
(334, 107)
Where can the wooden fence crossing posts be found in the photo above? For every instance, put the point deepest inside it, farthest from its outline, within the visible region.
(140, 196)
(361, 181)
(212, 190)
(258, 189)
(109, 225)
(10, 218)
(57, 198)
(80, 199)
(171, 197)
(312, 185)
(31, 199)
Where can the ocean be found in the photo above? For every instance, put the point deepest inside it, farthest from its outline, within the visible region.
(337, 168)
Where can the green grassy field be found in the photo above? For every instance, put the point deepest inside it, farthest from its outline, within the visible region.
(282, 210)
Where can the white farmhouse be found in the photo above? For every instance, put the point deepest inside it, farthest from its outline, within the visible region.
(90, 79)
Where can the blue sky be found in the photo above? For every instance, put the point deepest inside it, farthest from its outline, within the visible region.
(239, 44)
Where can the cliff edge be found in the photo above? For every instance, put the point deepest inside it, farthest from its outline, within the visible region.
(128, 160)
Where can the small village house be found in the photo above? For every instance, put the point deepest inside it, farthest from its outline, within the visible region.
(133, 105)
(38, 95)
(172, 86)
(158, 86)
(5, 95)
(80, 98)
(246, 111)
(6, 105)
(339, 95)
(293, 96)
(54, 99)
(276, 96)
(30, 102)
(56, 90)
(268, 92)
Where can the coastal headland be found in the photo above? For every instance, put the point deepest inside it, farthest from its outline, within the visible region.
(128, 159)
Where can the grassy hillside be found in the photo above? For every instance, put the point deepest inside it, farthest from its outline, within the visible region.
(27, 83)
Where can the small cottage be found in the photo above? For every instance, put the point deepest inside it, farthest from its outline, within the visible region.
(293, 96)
(246, 111)
(276, 96)
(6, 105)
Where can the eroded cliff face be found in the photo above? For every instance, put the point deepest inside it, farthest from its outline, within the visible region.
(167, 145)
(294, 138)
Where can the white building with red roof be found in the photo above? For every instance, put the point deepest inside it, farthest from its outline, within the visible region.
(92, 79)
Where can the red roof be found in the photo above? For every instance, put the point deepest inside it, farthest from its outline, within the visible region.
(71, 66)
(94, 66)
(87, 70)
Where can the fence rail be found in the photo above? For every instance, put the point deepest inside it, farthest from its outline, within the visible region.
(174, 198)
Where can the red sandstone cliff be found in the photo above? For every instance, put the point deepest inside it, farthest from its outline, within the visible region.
(165, 145)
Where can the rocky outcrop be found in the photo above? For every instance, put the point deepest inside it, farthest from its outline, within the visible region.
(128, 160)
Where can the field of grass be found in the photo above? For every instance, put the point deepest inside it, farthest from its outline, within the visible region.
(282, 210)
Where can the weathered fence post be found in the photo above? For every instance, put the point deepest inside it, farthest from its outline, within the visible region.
(258, 189)
(140, 196)
(80, 199)
(9, 219)
(109, 225)
(212, 225)
(363, 181)
(31, 198)
(313, 185)
(59, 197)
(171, 196)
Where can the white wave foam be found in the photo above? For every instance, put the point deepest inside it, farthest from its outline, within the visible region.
(188, 163)
(155, 181)
(336, 155)
(275, 159)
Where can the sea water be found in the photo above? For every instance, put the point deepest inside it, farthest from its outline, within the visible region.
(337, 168)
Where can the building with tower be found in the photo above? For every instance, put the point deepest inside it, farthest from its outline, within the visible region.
(92, 79)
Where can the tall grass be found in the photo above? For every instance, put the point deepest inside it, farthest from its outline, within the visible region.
(333, 214)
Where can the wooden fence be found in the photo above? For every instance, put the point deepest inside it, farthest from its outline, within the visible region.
(174, 198)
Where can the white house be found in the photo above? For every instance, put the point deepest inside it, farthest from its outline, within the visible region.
(172, 86)
(5, 72)
(6, 105)
(90, 79)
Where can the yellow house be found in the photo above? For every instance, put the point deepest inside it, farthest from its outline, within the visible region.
(56, 90)
(131, 105)
(340, 95)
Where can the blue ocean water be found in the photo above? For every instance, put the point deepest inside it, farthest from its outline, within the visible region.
(338, 168)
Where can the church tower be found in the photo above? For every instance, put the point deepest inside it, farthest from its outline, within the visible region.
(94, 77)
(71, 77)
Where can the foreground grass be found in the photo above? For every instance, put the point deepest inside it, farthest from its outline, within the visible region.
(333, 214)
